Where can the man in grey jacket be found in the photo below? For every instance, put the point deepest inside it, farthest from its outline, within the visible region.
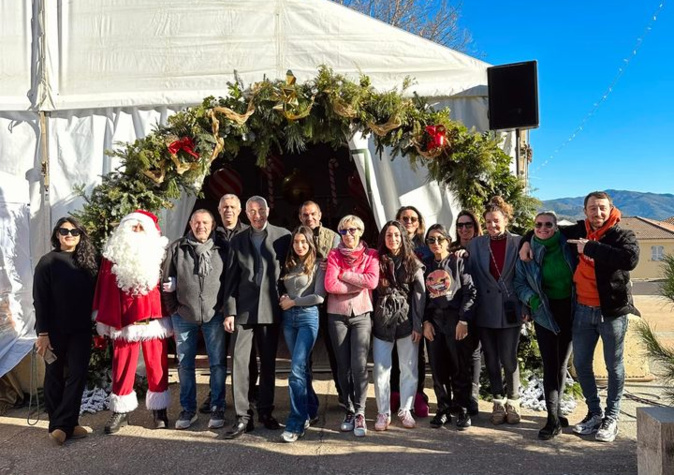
(193, 289)
(253, 314)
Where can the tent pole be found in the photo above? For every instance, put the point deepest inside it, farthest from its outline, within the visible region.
(45, 206)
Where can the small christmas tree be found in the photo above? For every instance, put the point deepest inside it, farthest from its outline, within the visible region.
(662, 355)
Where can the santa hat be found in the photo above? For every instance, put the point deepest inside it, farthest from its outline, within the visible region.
(147, 219)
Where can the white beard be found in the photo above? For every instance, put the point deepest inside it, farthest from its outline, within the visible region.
(136, 258)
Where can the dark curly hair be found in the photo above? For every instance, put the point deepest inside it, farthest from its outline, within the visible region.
(85, 254)
(409, 258)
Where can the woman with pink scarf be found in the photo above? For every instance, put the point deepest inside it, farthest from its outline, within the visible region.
(351, 275)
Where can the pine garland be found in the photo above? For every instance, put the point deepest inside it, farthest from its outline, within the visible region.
(286, 116)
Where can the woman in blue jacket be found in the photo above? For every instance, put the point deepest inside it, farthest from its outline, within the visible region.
(545, 287)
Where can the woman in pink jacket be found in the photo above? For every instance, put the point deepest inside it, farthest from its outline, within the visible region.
(351, 275)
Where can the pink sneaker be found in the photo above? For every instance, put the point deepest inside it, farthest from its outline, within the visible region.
(383, 421)
(360, 426)
(420, 405)
(407, 419)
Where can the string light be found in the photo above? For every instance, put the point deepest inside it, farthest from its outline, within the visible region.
(607, 92)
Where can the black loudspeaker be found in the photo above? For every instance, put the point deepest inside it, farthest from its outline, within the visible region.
(513, 96)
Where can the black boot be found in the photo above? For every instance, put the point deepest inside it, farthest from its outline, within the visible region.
(117, 421)
(551, 428)
(160, 419)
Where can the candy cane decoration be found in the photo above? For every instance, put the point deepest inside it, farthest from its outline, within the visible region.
(332, 164)
(270, 184)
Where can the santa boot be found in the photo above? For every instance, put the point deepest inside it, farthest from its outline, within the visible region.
(160, 419)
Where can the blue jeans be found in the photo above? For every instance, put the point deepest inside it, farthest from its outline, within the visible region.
(300, 328)
(186, 336)
(588, 325)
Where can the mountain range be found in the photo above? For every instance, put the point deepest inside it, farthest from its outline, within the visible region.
(630, 203)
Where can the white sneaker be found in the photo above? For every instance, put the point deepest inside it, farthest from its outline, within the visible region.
(360, 426)
(382, 423)
(347, 423)
(589, 425)
(608, 430)
(290, 437)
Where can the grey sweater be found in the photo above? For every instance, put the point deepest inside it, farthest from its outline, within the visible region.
(303, 289)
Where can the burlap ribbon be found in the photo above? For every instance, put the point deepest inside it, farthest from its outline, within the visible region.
(157, 175)
(343, 109)
(383, 129)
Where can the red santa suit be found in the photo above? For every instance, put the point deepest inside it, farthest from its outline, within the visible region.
(133, 319)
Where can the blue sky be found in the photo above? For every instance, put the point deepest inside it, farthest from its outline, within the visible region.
(628, 143)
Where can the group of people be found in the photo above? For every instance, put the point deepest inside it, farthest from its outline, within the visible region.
(418, 291)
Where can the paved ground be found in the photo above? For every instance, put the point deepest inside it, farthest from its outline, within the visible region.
(484, 449)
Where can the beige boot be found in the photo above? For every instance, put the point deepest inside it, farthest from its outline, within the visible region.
(498, 414)
(513, 411)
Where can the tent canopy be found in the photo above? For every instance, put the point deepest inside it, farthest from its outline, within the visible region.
(124, 53)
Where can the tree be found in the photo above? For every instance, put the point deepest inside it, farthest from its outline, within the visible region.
(434, 20)
(662, 355)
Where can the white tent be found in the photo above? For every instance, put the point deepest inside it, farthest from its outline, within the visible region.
(78, 77)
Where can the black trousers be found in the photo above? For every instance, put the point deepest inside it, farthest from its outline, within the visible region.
(65, 379)
(252, 367)
(555, 351)
(452, 366)
(500, 352)
(265, 337)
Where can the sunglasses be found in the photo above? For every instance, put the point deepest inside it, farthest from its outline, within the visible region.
(410, 219)
(72, 232)
(464, 225)
(351, 231)
(433, 240)
(547, 224)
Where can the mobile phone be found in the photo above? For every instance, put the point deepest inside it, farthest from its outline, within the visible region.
(49, 356)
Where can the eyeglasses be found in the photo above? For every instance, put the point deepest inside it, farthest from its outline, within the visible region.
(72, 232)
(433, 240)
(464, 225)
(547, 224)
(351, 231)
(410, 219)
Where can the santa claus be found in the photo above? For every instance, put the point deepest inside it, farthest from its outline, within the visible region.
(127, 302)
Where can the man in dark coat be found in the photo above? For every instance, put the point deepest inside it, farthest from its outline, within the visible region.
(252, 311)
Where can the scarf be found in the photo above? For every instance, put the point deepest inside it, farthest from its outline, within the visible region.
(203, 253)
(352, 256)
(555, 272)
(585, 277)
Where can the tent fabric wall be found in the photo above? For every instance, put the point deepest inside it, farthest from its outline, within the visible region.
(17, 317)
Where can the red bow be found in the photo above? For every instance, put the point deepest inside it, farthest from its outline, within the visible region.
(100, 343)
(437, 136)
(185, 144)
